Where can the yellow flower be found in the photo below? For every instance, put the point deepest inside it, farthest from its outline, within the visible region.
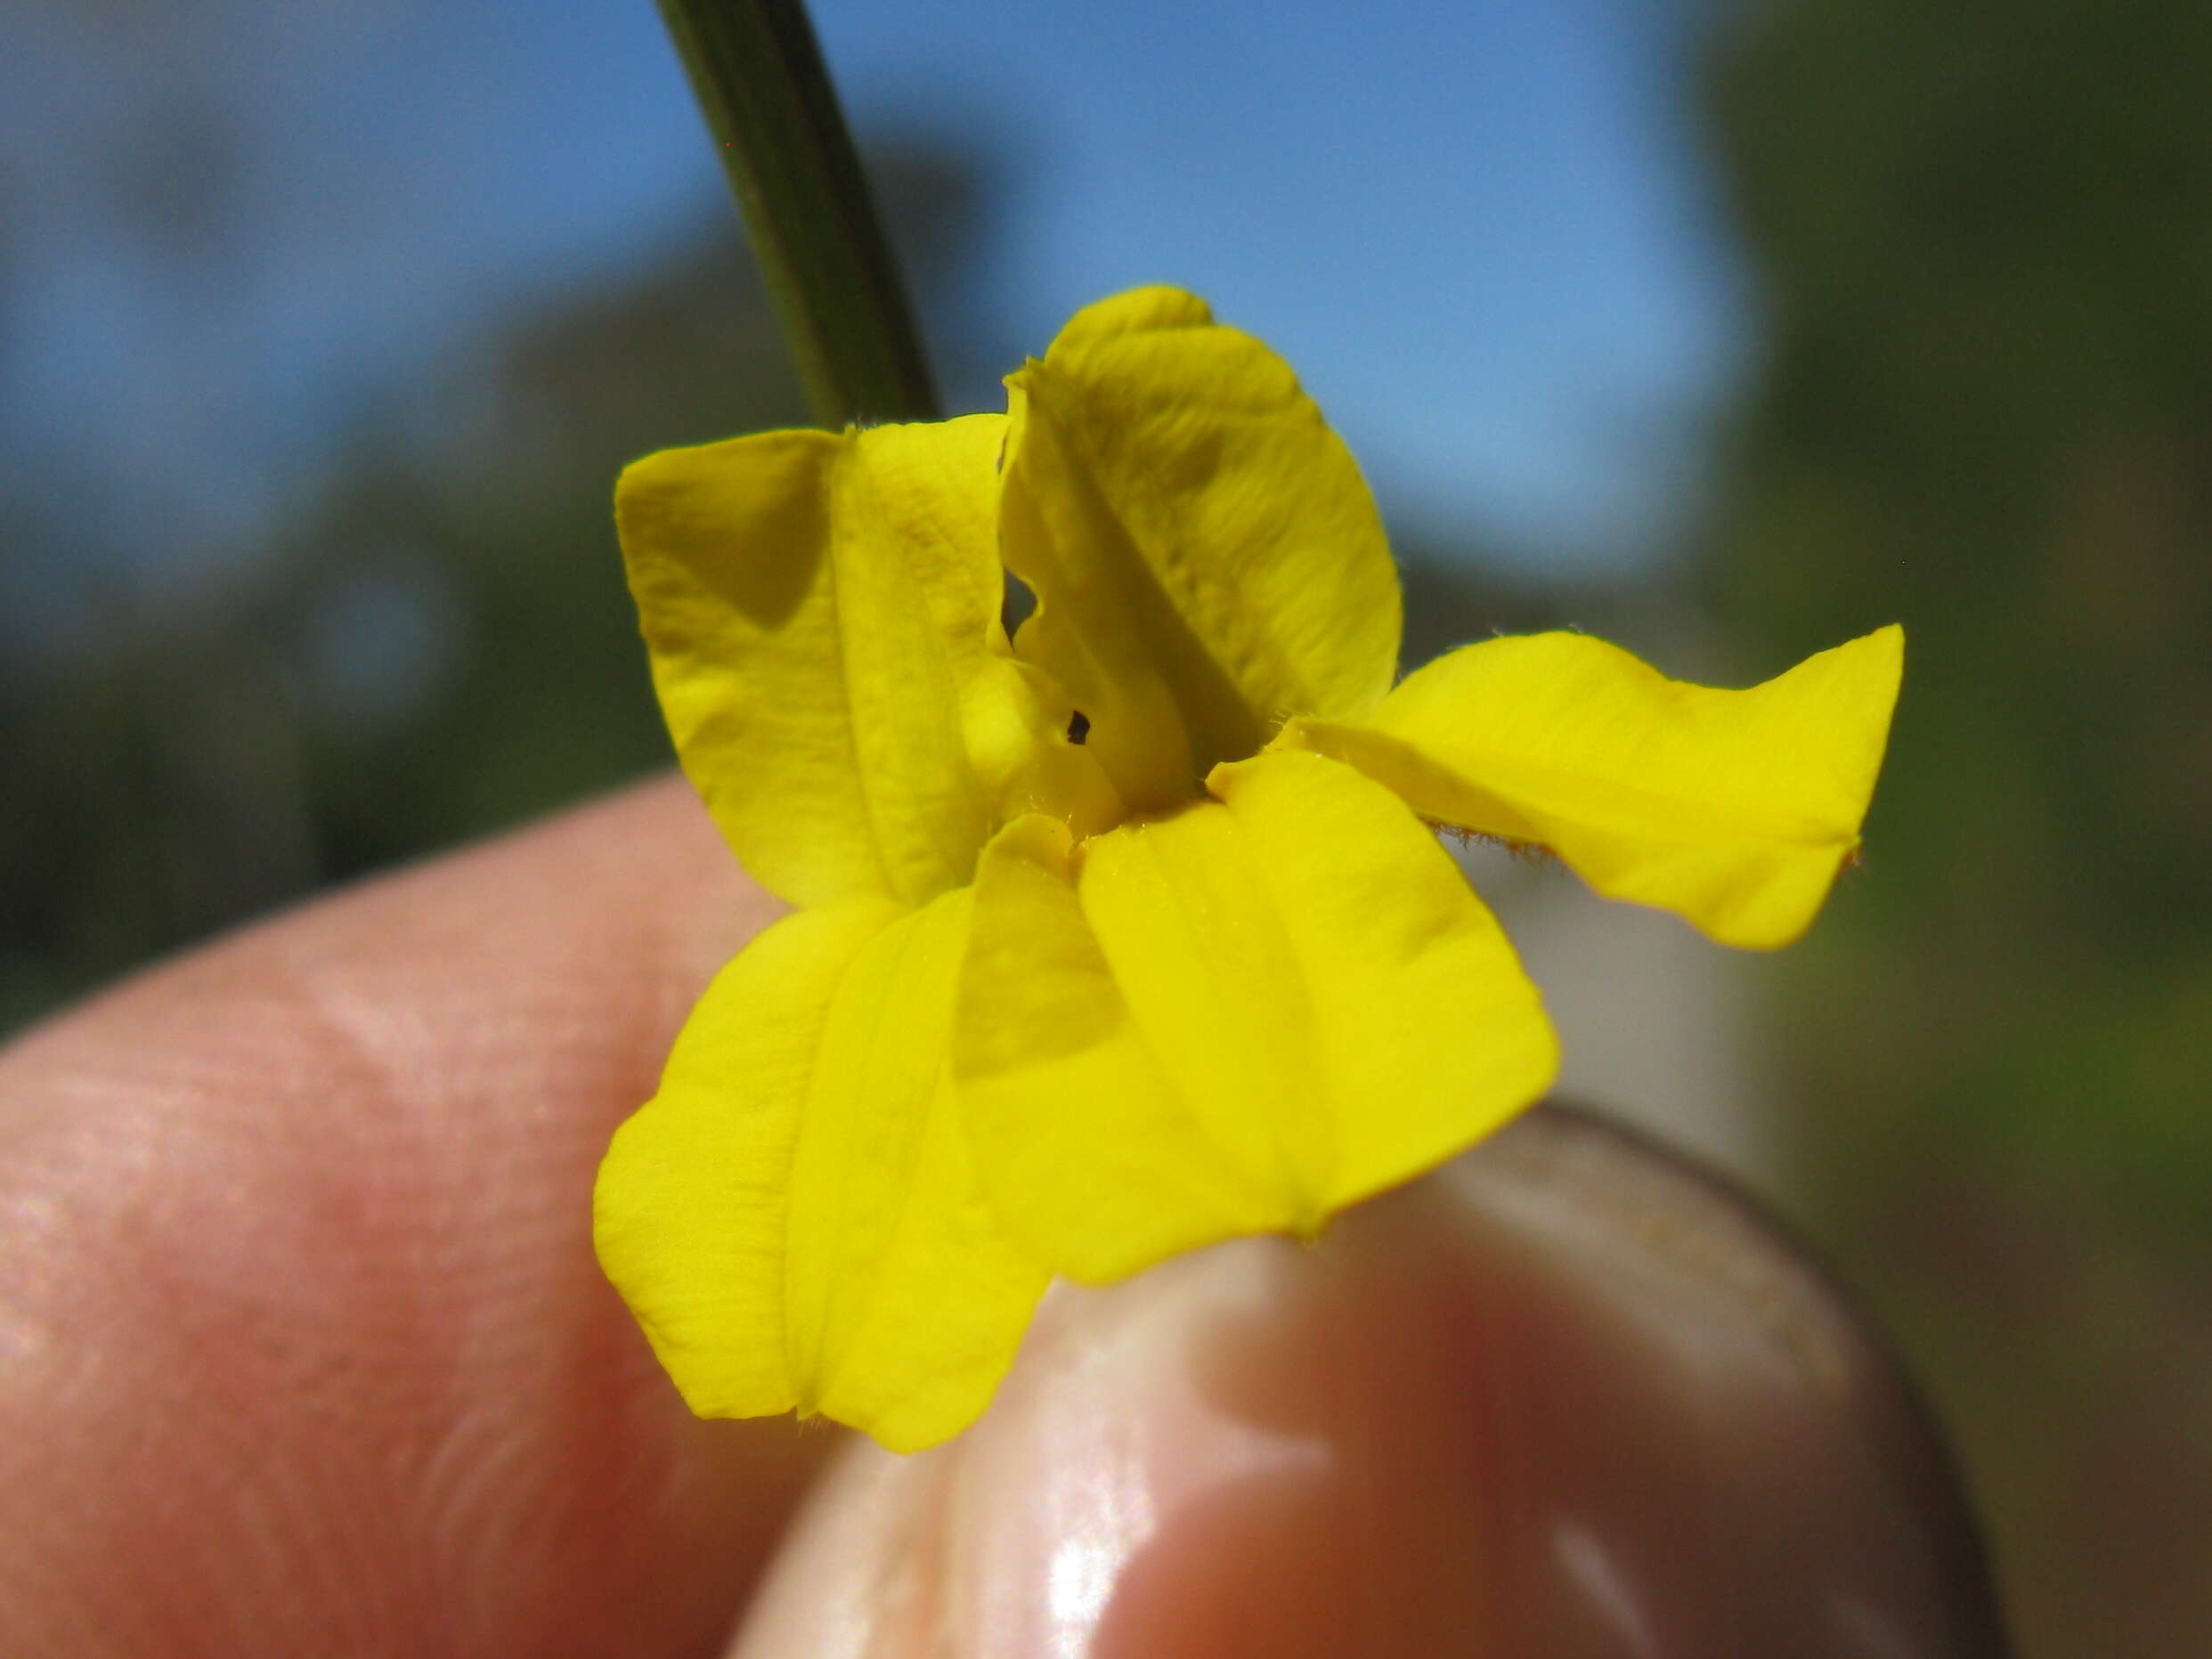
(1053, 1007)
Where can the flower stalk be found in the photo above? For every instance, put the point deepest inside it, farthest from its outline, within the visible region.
(766, 93)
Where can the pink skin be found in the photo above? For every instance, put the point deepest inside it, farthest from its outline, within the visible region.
(303, 1351)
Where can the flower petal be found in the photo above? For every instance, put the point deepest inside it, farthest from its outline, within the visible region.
(1205, 557)
(1236, 1019)
(823, 614)
(1734, 810)
(792, 1218)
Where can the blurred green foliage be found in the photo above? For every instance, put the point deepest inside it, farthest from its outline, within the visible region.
(1982, 234)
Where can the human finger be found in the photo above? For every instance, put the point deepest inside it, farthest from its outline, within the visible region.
(302, 1346)
(1566, 1399)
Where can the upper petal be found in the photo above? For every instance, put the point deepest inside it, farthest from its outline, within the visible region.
(1236, 1019)
(792, 1218)
(1734, 810)
(1204, 554)
(823, 614)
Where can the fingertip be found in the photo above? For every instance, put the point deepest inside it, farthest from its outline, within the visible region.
(1565, 1399)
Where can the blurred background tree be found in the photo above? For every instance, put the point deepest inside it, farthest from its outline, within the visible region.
(1981, 238)
(438, 644)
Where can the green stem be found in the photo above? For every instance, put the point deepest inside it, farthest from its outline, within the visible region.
(767, 96)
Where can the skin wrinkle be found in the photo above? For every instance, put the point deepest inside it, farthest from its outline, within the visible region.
(335, 1370)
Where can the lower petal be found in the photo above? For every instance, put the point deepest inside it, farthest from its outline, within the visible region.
(1236, 1019)
(792, 1218)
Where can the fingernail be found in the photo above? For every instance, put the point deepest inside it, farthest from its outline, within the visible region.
(1019, 1537)
(1563, 1400)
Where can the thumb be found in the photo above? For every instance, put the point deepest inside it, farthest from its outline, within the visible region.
(1565, 1399)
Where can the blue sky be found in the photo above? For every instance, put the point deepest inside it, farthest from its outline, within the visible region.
(1481, 231)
